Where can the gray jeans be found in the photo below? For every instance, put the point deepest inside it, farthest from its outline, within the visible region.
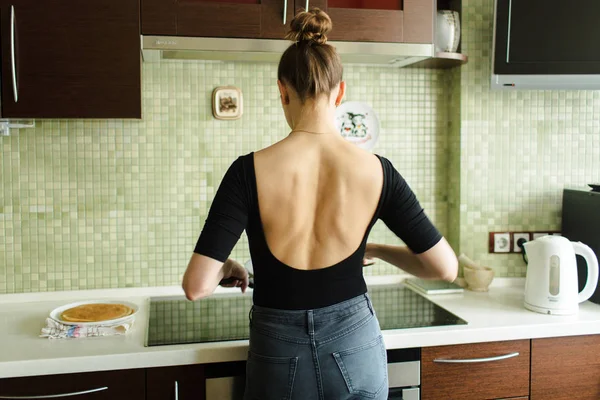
(331, 353)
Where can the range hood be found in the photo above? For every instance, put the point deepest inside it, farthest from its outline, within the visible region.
(156, 48)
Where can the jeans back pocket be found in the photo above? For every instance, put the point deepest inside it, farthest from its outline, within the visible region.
(364, 368)
(270, 378)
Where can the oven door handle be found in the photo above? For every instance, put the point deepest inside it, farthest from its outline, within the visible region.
(475, 360)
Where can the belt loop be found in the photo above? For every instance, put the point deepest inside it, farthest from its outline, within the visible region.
(250, 314)
(310, 322)
(369, 304)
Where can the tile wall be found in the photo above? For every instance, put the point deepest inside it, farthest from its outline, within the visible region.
(518, 150)
(98, 204)
(103, 204)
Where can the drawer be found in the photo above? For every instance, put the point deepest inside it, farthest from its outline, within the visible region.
(113, 385)
(479, 371)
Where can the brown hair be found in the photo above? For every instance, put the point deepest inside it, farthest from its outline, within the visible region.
(310, 65)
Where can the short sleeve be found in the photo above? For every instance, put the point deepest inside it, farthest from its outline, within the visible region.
(403, 214)
(228, 215)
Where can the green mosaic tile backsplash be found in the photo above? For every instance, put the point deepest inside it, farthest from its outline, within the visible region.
(518, 149)
(103, 204)
(113, 203)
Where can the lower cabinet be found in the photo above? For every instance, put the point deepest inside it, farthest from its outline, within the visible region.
(565, 368)
(495, 370)
(223, 381)
(185, 382)
(113, 385)
(556, 368)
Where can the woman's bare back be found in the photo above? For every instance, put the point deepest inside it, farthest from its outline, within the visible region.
(317, 194)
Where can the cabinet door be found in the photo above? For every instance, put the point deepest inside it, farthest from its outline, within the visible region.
(475, 371)
(72, 59)
(566, 368)
(184, 382)
(114, 385)
(217, 18)
(409, 21)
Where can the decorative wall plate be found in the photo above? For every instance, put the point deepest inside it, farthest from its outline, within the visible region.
(358, 123)
(227, 102)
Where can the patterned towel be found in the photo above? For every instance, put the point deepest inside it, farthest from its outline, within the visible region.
(56, 330)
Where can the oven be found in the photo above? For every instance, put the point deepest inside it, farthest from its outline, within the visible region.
(226, 381)
(404, 374)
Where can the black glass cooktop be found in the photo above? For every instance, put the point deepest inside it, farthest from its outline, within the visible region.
(223, 317)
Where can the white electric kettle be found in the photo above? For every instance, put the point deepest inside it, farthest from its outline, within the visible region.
(551, 286)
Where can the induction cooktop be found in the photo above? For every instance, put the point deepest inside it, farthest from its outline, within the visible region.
(224, 317)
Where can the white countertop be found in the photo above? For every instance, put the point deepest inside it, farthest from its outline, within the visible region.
(493, 316)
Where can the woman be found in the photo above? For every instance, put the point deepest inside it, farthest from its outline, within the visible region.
(307, 204)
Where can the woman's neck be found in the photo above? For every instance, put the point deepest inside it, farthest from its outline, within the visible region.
(314, 118)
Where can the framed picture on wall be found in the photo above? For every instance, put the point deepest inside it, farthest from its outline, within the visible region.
(227, 102)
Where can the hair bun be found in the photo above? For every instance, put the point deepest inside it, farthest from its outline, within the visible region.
(310, 27)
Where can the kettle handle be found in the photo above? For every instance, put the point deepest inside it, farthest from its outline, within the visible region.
(592, 268)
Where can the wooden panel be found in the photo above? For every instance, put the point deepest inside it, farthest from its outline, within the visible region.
(272, 26)
(322, 4)
(74, 59)
(122, 385)
(566, 368)
(218, 19)
(159, 17)
(490, 380)
(418, 21)
(367, 4)
(516, 398)
(160, 383)
(350, 24)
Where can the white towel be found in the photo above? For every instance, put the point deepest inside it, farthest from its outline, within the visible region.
(56, 330)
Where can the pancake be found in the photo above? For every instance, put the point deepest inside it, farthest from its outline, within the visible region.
(96, 312)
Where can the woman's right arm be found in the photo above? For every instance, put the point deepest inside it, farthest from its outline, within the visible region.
(439, 262)
(427, 254)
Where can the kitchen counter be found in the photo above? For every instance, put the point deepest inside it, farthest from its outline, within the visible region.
(493, 316)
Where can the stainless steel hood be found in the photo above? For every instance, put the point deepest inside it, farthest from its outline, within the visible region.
(156, 48)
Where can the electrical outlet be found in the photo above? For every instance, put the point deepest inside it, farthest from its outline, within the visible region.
(506, 242)
(515, 238)
(500, 242)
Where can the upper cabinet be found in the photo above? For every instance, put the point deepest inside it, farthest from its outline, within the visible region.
(400, 21)
(70, 59)
(267, 19)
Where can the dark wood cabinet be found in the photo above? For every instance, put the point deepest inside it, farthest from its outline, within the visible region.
(496, 370)
(72, 59)
(185, 382)
(114, 385)
(196, 382)
(566, 368)
(214, 18)
(408, 21)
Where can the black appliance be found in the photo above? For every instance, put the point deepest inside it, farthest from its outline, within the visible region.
(175, 320)
(546, 44)
(581, 222)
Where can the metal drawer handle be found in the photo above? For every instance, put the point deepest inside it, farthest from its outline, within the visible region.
(176, 390)
(476, 360)
(285, 11)
(12, 54)
(54, 396)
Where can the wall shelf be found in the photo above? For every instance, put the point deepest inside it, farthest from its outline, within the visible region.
(443, 60)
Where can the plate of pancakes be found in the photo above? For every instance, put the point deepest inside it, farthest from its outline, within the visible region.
(101, 312)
